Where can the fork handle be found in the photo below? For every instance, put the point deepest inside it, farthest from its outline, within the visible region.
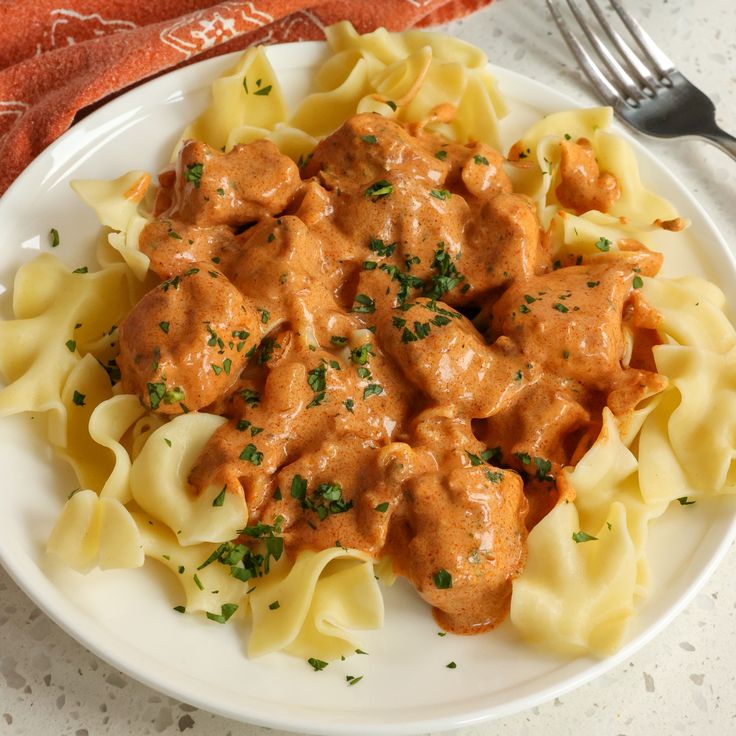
(722, 140)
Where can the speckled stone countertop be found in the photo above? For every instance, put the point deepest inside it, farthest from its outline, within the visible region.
(683, 682)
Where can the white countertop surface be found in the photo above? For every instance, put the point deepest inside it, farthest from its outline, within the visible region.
(683, 682)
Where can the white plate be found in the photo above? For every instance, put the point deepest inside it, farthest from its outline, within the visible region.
(125, 617)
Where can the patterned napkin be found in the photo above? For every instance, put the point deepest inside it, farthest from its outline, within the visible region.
(55, 62)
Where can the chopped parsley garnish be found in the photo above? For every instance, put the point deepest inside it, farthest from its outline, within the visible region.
(317, 400)
(264, 91)
(637, 283)
(560, 307)
(250, 454)
(592, 284)
(326, 500)
(363, 304)
(193, 174)
(372, 389)
(441, 154)
(494, 476)
(442, 579)
(316, 378)
(480, 160)
(198, 582)
(81, 269)
(164, 327)
(275, 605)
(359, 356)
(220, 498)
(579, 537)
(349, 405)
(317, 664)
(174, 235)
(441, 193)
(352, 680)
(265, 315)
(338, 340)
(391, 104)
(447, 276)
(683, 501)
(250, 397)
(267, 347)
(603, 244)
(451, 665)
(78, 398)
(157, 393)
(474, 459)
(226, 611)
(54, 237)
(244, 563)
(180, 609)
(406, 281)
(380, 248)
(379, 190)
(71, 345)
(543, 469)
(382, 507)
(370, 139)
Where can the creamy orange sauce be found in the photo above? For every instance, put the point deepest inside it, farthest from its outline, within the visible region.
(404, 369)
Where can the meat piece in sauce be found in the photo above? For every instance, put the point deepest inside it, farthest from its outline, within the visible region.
(172, 245)
(583, 186)
(504, 244)
(474, 169)
(466, 543)
(185, 343)
(441, 352)
(569, 321)
(365, 148)
(248, 183)
(384, 186)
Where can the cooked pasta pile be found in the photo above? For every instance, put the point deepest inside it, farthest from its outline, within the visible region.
(336, 344)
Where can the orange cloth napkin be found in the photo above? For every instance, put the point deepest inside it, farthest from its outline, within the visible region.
(56, 61)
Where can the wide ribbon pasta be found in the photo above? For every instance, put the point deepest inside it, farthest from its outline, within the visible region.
(60, 314)
(313, 610)
(159, 483)
(586, 562)
(94, 531)
(117, 206)
(206, 589)
(687, 443)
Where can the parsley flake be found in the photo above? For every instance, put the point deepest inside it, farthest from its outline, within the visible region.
(442, 579)
(226, 611)
(250, 454)
(379, 190)
(579, 537)
(193, 174)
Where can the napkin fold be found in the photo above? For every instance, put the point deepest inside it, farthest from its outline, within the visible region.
(56, 62)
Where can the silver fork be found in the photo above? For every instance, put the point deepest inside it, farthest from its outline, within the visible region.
(645, 89)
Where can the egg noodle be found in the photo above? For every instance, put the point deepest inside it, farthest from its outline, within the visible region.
(586, 568)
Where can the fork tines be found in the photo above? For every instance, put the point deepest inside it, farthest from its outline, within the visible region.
(632, 77)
